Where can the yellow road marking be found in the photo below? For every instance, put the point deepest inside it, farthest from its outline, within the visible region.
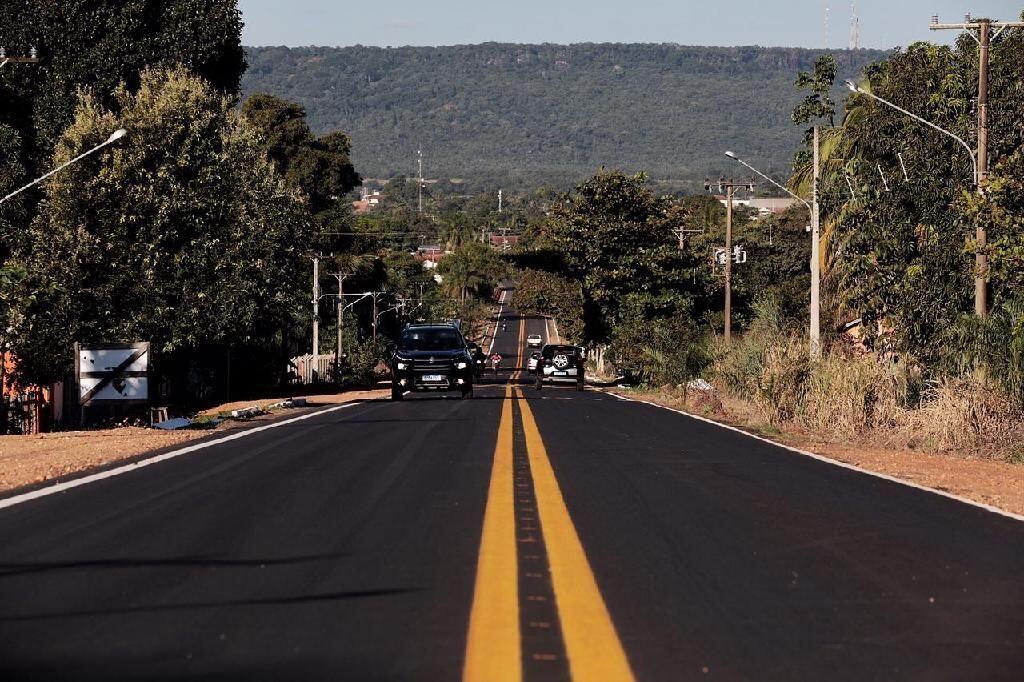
(591, 643)
(522, 342)
(493, 649)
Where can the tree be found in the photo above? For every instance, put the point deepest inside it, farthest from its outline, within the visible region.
(818, 104)
(472, 270)
(614, 237)
(320, 167)
(101, 44)
(182, 235)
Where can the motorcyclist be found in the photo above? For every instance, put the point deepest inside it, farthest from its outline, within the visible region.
(479, 358)
(496, 362)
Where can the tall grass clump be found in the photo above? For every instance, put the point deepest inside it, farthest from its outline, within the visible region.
(847, 394)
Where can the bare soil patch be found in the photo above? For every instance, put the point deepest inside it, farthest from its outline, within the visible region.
(27, 460)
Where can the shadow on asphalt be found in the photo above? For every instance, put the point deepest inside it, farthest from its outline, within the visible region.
(10, 569)
(219, 604)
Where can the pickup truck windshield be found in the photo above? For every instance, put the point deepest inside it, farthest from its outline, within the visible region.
(431, 339)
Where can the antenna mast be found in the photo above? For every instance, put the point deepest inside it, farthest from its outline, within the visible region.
(854, 26)
(825, 27)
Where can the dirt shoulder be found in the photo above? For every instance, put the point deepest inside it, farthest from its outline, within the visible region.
(993, 482)
(31, 460)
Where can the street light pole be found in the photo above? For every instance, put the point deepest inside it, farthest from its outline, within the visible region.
(980, 259)
(814, 208)
(114, 137)
(816, 256)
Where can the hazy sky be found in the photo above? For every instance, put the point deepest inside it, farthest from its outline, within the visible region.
(883, 23)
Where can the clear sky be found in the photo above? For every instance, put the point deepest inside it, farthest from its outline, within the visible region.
(800, 23)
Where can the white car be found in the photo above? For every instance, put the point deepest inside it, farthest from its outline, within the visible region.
(534, 340)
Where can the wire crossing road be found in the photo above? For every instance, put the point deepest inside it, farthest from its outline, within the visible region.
(516, 536)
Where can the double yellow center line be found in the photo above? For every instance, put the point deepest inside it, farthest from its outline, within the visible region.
(494, 649)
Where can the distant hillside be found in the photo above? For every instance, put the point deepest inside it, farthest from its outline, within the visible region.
(551, 114)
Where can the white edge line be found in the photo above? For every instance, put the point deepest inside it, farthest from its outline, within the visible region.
(828, 460)
(135, 466)
(501, 309)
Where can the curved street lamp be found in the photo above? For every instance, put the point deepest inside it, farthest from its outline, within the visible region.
(114, 137)
(812, 206)
(980, 259)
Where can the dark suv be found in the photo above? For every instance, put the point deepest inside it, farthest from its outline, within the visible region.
(431, 357)
(560, 362)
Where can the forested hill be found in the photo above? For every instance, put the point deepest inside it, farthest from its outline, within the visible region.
(548, 114)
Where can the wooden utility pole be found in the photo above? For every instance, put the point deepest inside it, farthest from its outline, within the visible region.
(987, 31)
(729, 187)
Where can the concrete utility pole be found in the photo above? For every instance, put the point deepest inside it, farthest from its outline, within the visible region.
(340, 345)
(316, 305)
(816, 255)
(729, 187)
(984, 38)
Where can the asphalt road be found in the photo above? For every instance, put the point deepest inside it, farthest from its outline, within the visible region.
(519, 535)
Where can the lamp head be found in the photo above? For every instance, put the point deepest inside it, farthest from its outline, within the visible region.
(852, 86)
(732, 155)
(117, 135)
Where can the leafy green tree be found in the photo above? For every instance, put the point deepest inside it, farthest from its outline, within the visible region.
(182, 234)
(614, 236)
(818, 104)
(320, 167)
(539, 292)
(473, 269)
(100, 44)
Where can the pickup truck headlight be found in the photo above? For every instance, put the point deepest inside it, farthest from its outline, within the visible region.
(461, 365)
(400, 365)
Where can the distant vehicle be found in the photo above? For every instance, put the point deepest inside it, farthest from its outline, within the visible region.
(531, 364)
(560, 363)
(431, 357)
(534, 340)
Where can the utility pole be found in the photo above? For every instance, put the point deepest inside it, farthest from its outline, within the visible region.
(32, 58)
(316, 305)
(340, 346)
(375, 316)
(499, 201)
(816, 255)
(729, 187)
(985, 36)
(419, 163)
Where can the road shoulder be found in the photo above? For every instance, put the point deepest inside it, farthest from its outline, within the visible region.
(988, 483)
(29, 463)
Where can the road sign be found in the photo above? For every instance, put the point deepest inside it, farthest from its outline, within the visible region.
(112, 372)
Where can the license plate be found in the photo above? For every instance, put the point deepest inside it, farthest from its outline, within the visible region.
(433, 377)
(560, 374)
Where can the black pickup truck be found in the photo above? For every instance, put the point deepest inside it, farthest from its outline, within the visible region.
(431, 357)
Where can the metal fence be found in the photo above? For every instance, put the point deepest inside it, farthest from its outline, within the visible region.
(311, 369)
